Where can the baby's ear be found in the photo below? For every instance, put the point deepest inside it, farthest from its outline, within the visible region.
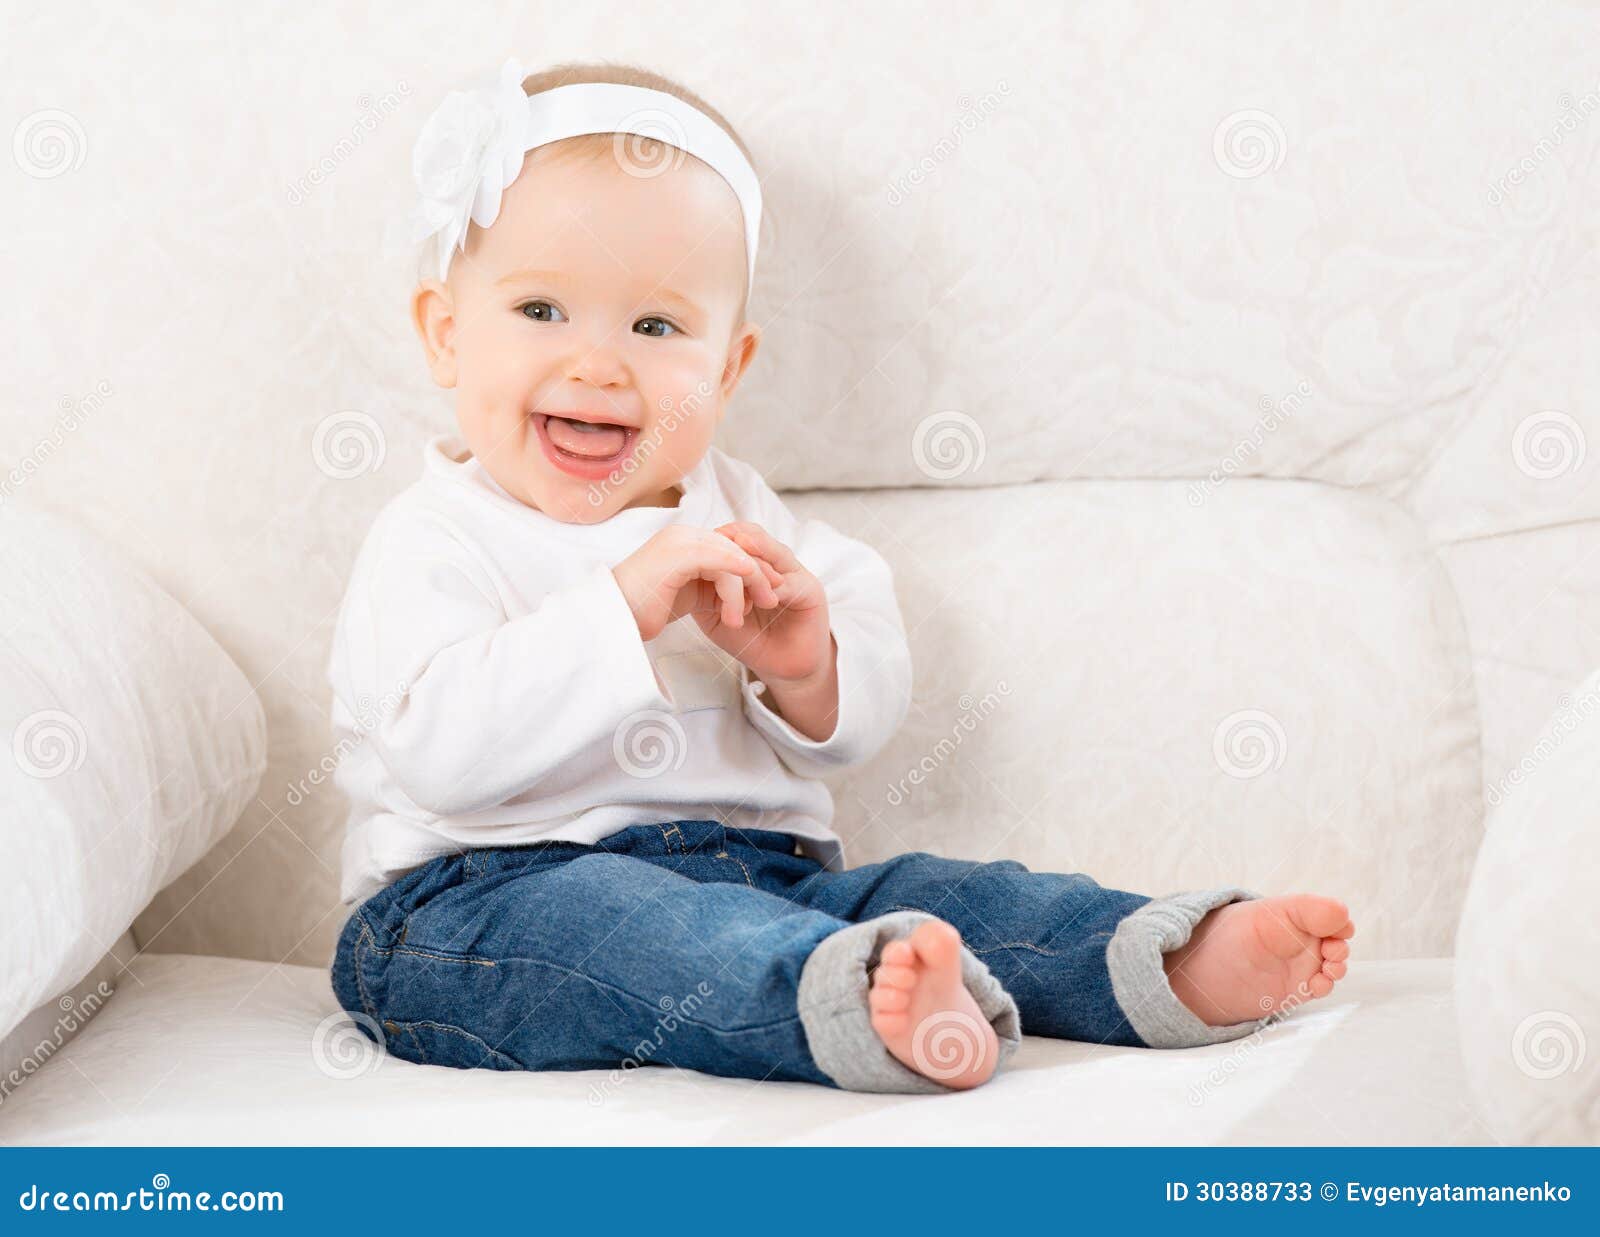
(741, 351)
(433, 316)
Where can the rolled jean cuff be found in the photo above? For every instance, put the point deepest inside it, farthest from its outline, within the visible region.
(1139, 980)
(836, 1017)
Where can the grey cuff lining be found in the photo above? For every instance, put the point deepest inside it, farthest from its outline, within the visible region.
(836, 1017)
(1139, 980)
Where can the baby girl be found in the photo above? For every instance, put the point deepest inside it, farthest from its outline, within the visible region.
(592, 831)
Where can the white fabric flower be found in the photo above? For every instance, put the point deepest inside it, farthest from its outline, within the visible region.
(467, 155)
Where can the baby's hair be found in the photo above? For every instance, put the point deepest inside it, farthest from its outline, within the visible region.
(612, 74)
(603, 145)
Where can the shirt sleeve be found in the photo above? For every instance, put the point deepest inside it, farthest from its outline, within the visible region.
(874, 657)
(487, 706)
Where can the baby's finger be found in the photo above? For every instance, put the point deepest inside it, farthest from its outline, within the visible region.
(759, 541)
(763, 586)
(730, 590)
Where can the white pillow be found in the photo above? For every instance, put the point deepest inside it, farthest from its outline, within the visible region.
(1527, 977)
(129, 743)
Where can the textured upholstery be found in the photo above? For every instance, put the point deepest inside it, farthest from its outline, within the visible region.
(1253, 442)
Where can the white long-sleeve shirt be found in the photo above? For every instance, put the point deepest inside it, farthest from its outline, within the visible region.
(490, 686)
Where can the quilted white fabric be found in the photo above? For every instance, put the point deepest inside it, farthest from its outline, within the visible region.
(1272, 690)
(132, 744)
(241, 1053)
(1310, 381)
(1528, 996)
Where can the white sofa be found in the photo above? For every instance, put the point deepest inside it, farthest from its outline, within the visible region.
(1221, 386)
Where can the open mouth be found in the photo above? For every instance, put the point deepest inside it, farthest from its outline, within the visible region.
(584, 448)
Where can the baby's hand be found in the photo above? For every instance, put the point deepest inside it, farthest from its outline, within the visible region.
(789, 640)
(682, 570)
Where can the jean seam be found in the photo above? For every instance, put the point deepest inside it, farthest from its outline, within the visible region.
(461, 959)
(722, 854)
(987, 949)
(415, 1042)
(477, 1040)
(367, 1006)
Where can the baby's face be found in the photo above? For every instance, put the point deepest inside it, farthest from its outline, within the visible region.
(594, 332)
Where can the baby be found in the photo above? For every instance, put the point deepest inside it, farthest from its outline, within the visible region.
(587, 824)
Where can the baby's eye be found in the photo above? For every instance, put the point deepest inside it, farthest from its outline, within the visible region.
(541, 311)
(653, 333)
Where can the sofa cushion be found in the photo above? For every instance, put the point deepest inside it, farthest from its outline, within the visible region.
(1528, 990)
(131, 744)
(1270, 688)
(241, 1053)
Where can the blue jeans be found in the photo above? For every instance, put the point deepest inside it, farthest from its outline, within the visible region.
(725, 951)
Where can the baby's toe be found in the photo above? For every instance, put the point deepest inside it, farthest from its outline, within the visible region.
(886, 1000)
(898, 952)
(936, 942)
(901, 977)
(1320, 984)
(1318, 915)
(1333, 970)
(1335, 950)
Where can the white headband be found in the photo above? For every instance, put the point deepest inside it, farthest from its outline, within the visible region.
(472, 147)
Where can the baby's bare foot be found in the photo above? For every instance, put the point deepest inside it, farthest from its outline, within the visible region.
(1248, 959)
(924, 1013)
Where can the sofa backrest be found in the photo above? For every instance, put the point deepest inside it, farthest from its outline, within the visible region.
(1222, 381)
